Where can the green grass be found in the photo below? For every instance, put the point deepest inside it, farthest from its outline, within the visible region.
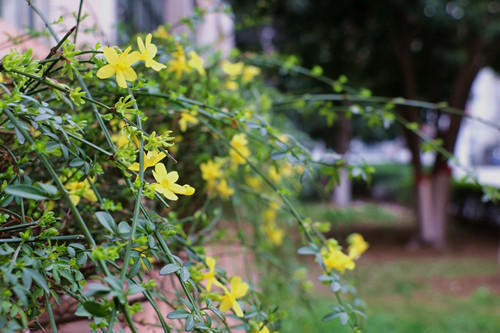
(402, 297)
(366, 214)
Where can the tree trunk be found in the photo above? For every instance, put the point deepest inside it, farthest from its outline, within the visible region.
(433, 199)
(342, 192)
(432, 192)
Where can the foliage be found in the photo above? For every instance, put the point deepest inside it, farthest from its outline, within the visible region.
(94, 144)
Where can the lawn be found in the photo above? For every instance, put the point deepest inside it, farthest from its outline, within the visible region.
(420, 295)
(366, 214)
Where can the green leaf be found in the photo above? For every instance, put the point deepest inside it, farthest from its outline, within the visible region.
(106, 220)
(49, 189)
(306, 250)
(189, 323)
(96, 288)
(343, 316)
(185, 274)
(27, 191)
(96, 309)
(123, 228)
(38, 278)
(178, 314)
(169, 269)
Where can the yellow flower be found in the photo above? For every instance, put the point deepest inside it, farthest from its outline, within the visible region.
(299, 168)
(239, 143)
(283, 138)
(254, 182)
(274, 233)
(150, 160)
(286, 169)
(274, 175)
(229, 299)
(210, 275)
(263, 329)
(120, 139)
(148, 52)
(334, 258)
(224, 190)
(357, 245)
(274, 205)
(119, 65)
(211, 170)
(269, 215)
(189, 189)
(249, 73)
(166, 183)
(144, 256)
(178, 64)
(231, 85)
(78, 189)
(187, 118)
(232, 69)
(161, 32)
(196, 62)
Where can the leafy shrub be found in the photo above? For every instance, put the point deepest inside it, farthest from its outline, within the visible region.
(117, 162)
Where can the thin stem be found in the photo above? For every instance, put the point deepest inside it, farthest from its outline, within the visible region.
(42, 17)
(284, 199)
(51, 314)
(51, 53)
(78, 17)
(35, 239)
(137, 200)
(60, 186)
(170, 257)
(90, 144)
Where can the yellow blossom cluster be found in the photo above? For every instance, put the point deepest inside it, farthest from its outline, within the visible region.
(229, 299)
(270, 229)
(238, 69)
(80, 189)
(239, 151)
(179, 64)
(120, 63)
(334, 258)
(187, 119)
(211, 172)
(166, 182)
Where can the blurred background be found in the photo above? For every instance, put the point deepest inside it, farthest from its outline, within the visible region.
(433, 262)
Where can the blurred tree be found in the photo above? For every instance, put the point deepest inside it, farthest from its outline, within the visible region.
(426, 49)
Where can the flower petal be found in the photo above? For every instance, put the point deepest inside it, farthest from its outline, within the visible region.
(237, 309)
(132, 58)
(176, 188)
(160, 172)
(241, 290)
(210, 263)
(105, 71)
(189, 189)
(134, 167)
(157, 157)
(129, 74)
(170, 195)
(151, 50)
(120, 79)
(110, 54)
(156, 66)
(209, 284)
(140, 44)
(226, 303)
(172, 176)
